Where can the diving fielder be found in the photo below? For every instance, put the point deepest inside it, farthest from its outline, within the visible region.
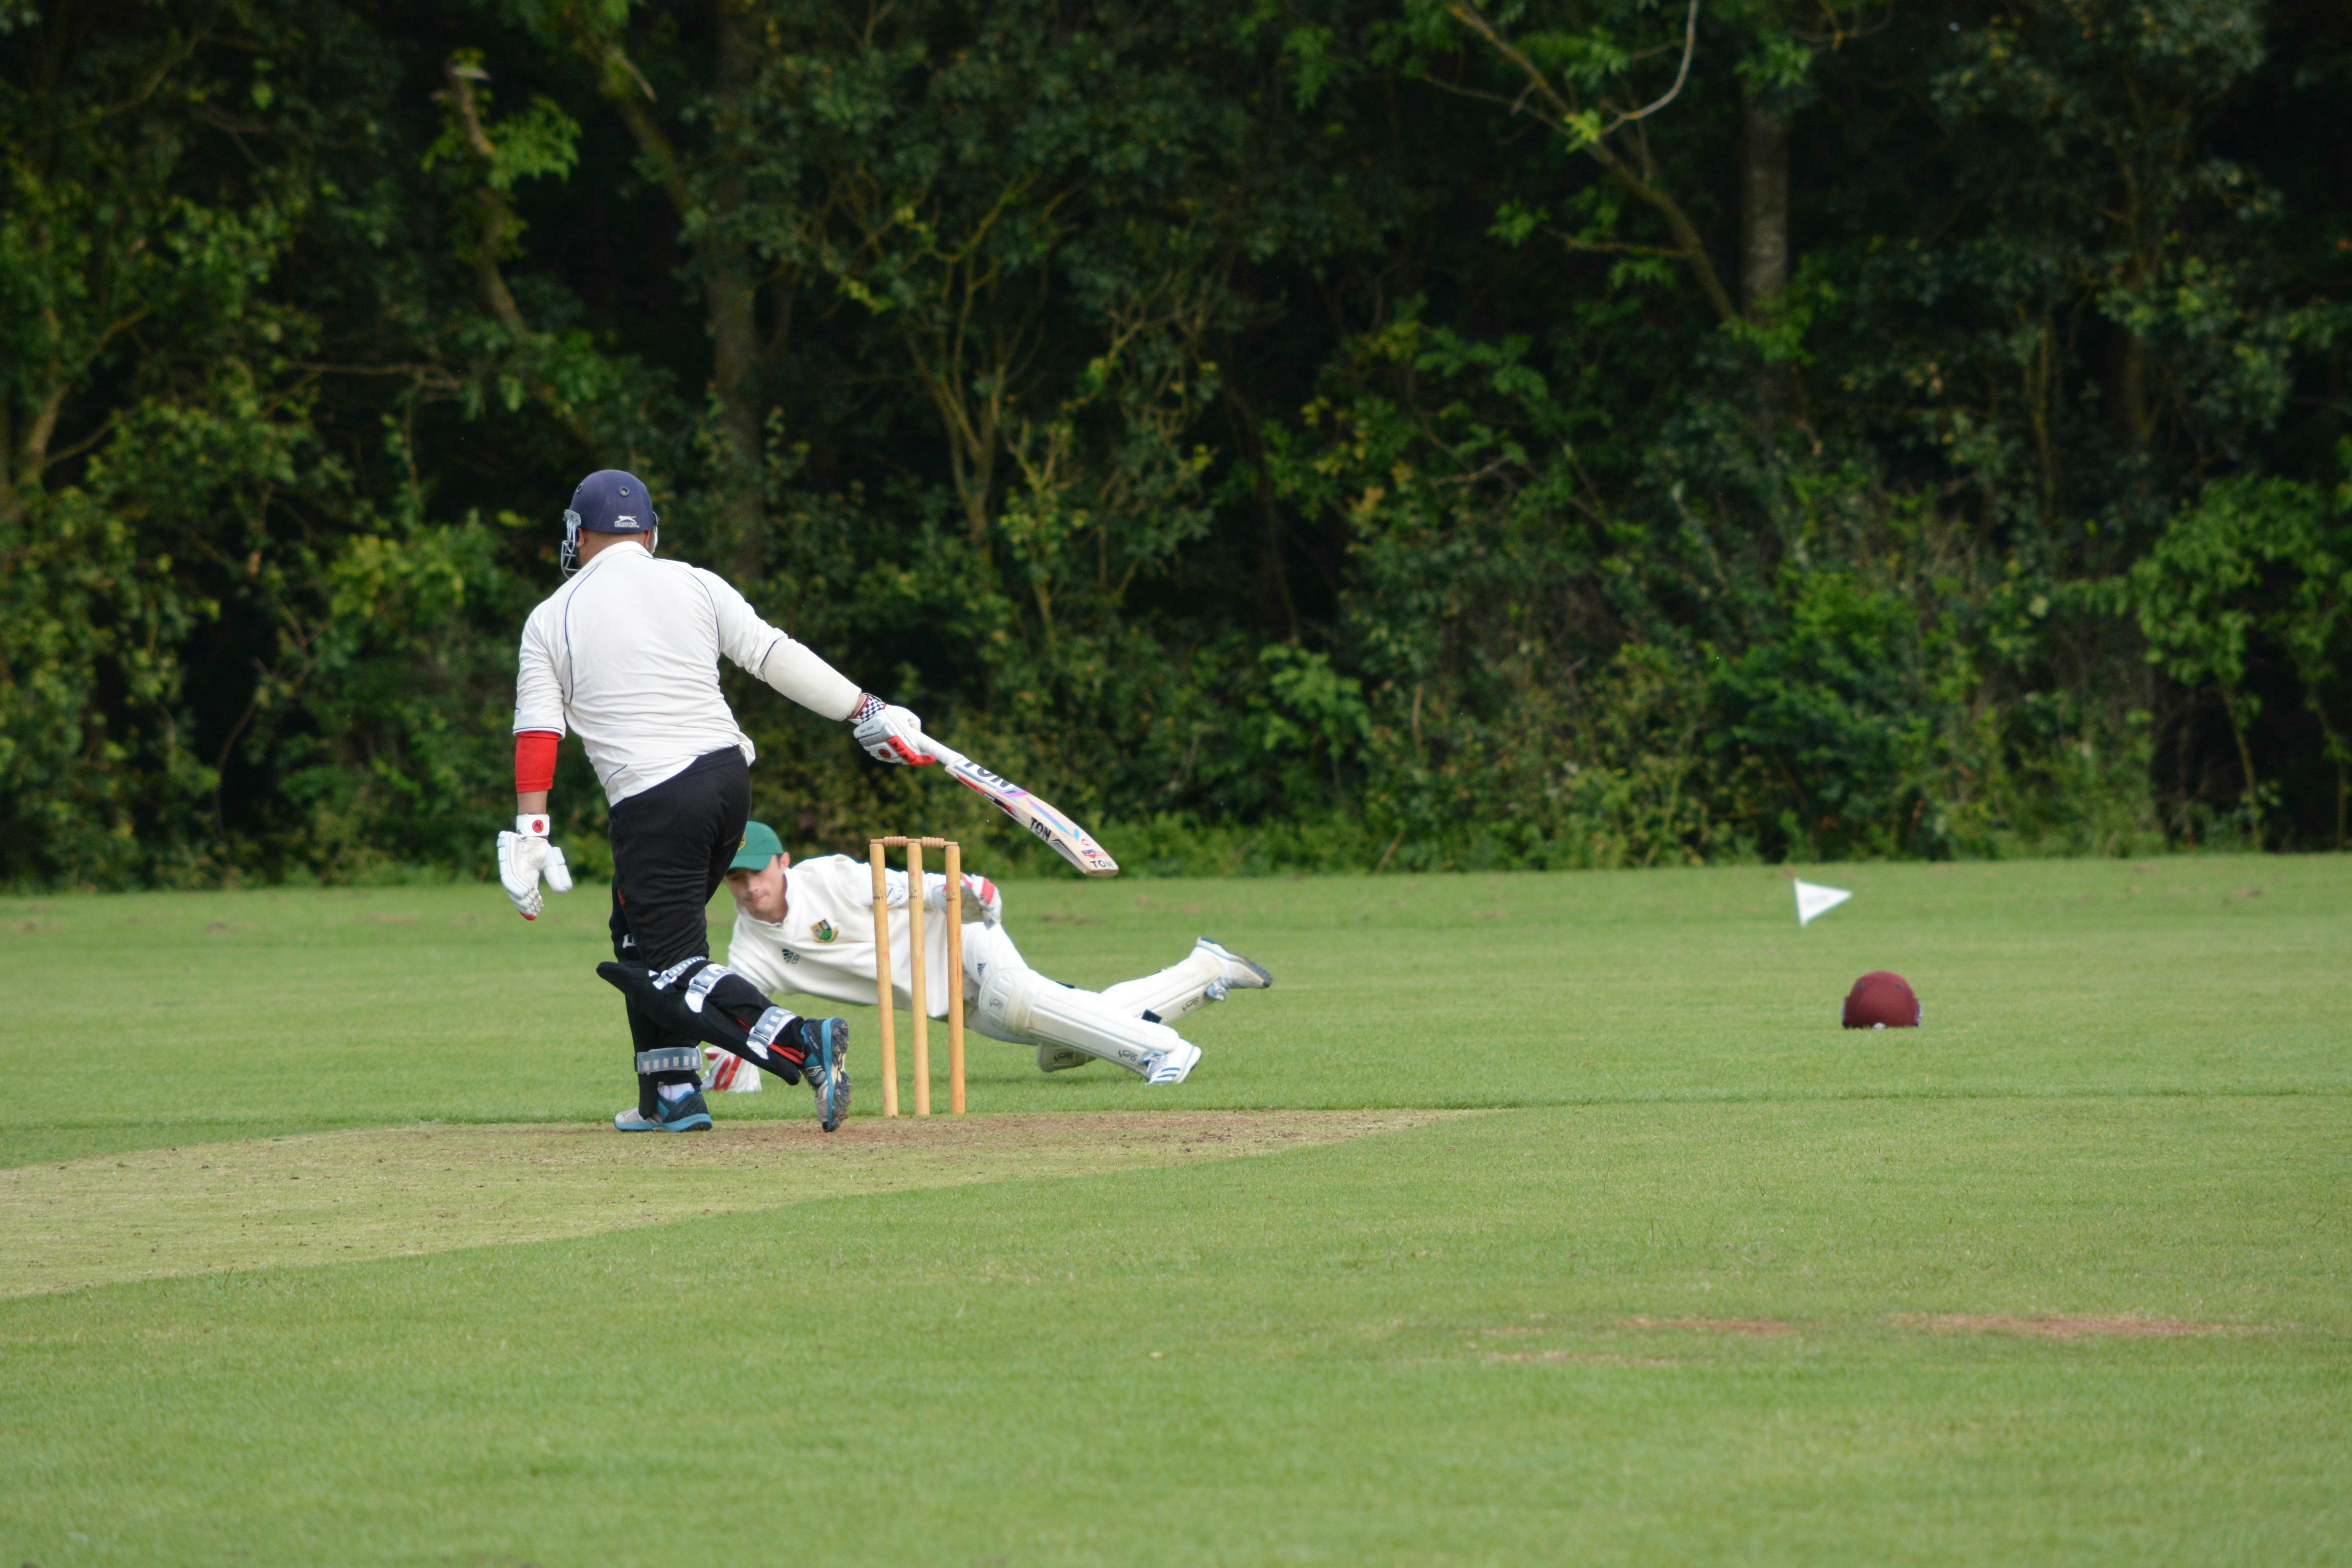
(810, 928)
(626, 656)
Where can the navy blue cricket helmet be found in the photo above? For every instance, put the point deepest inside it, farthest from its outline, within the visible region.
(610, 501)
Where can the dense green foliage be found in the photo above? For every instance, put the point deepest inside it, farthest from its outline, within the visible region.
(1294, 431)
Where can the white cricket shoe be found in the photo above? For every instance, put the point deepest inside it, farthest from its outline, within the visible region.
(1173, 1065)
(1238, 973)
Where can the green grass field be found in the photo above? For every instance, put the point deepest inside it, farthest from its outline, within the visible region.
(1531, 1218)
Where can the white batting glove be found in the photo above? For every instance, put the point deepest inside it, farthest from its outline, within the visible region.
(524, 857)
(977, 891)
(890, 733)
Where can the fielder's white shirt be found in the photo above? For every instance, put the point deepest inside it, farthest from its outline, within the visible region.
(626, 654)
(825, 945)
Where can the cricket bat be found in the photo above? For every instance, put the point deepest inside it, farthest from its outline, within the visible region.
(1064, 837)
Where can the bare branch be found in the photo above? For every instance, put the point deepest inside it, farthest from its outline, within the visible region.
(496, 220)
(1470, 16)
(460, 97)
(1637, 177)
(1540, 84)
(1834, 31)
(1690, 47)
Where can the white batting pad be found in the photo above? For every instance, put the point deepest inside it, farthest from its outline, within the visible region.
(1023, 1005)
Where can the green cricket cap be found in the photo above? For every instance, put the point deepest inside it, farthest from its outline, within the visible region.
(761, 845)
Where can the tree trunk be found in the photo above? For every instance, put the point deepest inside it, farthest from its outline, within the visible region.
(1763, 206)
(1276, 604)
(2131, 388)
(729, 293)
(1764, 240)
(11, 500)
(2250, 801)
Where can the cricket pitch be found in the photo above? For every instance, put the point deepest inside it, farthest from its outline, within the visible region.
(336, 1197)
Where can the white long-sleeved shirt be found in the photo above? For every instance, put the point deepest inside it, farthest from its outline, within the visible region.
(626, 654)
(825, 944)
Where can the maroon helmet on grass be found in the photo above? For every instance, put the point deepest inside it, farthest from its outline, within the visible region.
(1881, 999)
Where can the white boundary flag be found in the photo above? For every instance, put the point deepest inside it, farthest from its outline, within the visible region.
(1814, 901)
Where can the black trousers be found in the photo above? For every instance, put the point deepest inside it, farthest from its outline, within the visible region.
(671, 847)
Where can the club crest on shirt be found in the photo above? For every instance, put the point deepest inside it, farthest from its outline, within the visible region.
(823, 931)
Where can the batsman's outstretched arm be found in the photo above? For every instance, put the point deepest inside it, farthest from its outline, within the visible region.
(886, 731)
(793, 669)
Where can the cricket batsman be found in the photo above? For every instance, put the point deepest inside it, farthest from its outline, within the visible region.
(626, 656)
(810, 928)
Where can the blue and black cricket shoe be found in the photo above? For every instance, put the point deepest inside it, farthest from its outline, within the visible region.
(825, 1043)
(687, 1113)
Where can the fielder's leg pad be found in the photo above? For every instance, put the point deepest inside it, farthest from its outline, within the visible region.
(1021, 1004)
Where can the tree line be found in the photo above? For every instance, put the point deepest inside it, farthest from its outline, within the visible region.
(1373, 434)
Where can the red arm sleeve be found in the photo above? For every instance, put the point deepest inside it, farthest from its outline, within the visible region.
(534, 760)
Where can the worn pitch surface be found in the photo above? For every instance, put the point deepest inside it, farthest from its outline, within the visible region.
(341, 1197)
